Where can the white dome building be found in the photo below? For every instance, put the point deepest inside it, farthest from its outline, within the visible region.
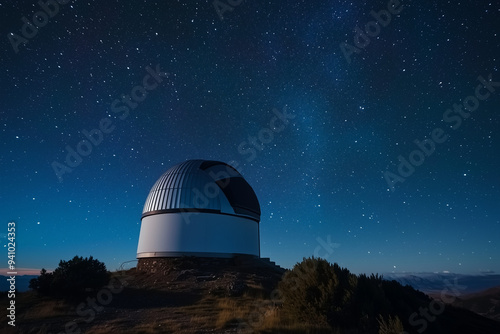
(200, 208)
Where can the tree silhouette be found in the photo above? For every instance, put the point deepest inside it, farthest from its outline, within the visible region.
(73, 279)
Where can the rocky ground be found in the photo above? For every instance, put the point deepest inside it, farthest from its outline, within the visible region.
(186, 296)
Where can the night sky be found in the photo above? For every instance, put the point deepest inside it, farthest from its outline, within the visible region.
(327, 178)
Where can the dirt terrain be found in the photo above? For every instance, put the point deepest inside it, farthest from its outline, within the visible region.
(186, 297)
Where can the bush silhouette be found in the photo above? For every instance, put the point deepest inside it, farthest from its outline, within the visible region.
(73, 279)
(317, 292)
(370, 298)
(42, 284)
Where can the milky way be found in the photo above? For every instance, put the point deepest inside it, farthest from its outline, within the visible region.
(369, 132)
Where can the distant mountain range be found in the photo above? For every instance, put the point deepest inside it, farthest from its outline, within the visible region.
(433, 283)
(224, 298)
(477, 293)
(22, 282)
(485, 303)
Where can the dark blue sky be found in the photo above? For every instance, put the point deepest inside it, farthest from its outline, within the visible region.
(322, 179)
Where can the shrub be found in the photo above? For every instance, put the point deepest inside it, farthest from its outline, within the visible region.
(73, 279)
(42, 284)
(391, 326)
(317, 292)
(370, 297)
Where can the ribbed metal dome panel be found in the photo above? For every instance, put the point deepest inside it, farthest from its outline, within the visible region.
(203, 185)
(182, 187)
(200, 208)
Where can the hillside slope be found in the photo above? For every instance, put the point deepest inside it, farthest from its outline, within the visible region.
(195, 296)
(485, 303)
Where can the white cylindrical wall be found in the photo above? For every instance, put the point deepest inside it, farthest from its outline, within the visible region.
(197, 234)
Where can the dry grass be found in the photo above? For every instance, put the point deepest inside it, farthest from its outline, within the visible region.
(166, 312)
(230, 312)
(30, 306)
(255, 291)
(275, 321)
(272, 319)
(150, 328)
(154, 328)
(46, 309)
(249, 314)
(259, 316)
(132, 326)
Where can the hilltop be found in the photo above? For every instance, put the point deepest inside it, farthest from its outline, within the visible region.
(192, 295)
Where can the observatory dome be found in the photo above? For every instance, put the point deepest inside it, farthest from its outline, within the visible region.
(200, 208)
